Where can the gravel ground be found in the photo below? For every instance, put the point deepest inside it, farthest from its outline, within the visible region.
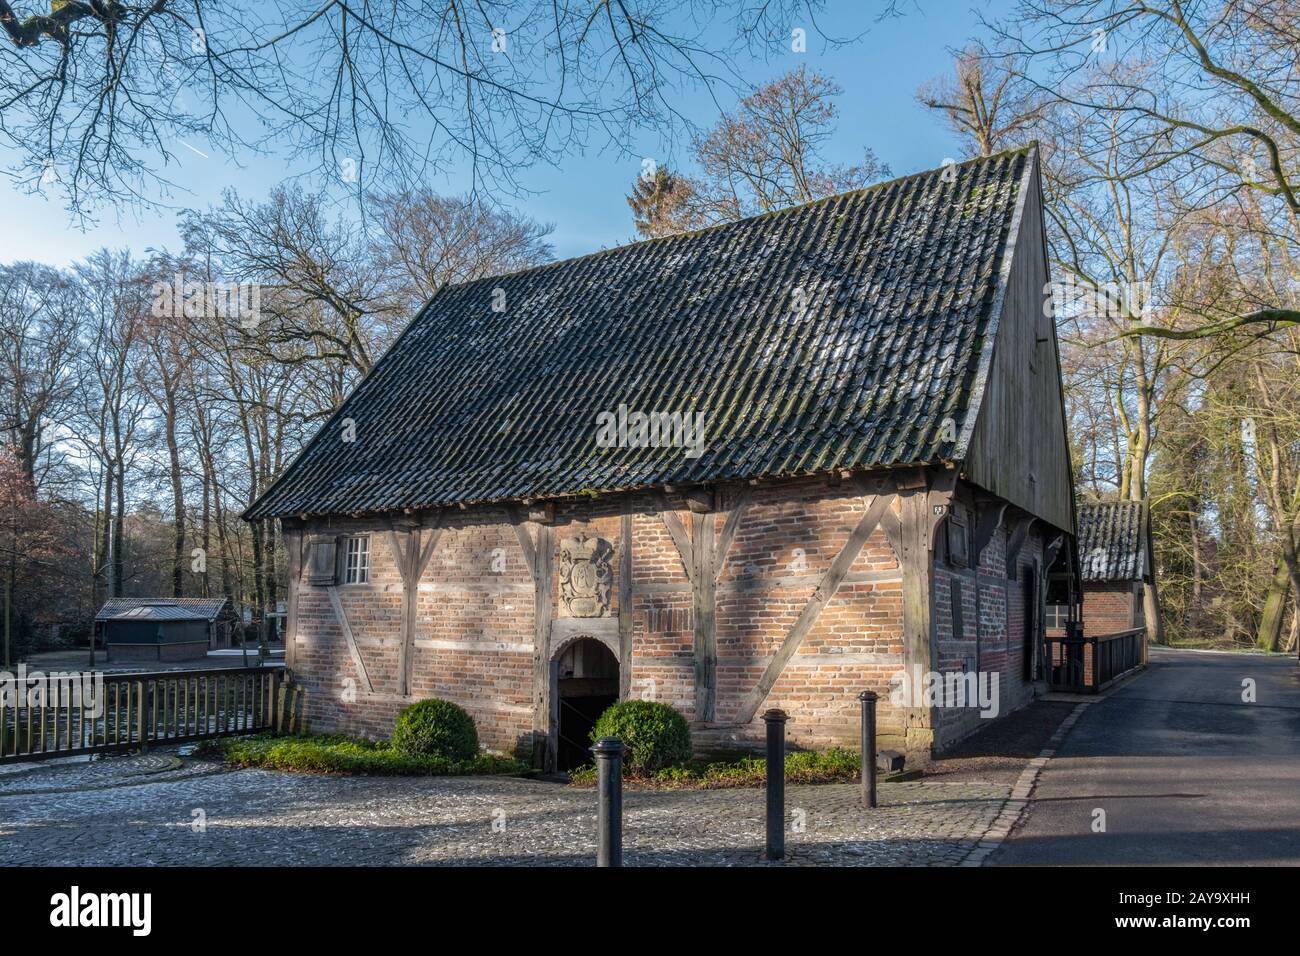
(160, 809)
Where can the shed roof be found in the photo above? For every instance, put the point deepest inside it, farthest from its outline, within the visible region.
(1113, 540)
(845, 333)
(164, 609)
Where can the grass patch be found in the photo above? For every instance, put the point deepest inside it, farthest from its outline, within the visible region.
(837, 765)
(347, 755)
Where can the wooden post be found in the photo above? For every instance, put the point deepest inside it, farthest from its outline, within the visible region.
(140, 715)
(294, 541)
(703, 593)
(540, 559)
(625, 607)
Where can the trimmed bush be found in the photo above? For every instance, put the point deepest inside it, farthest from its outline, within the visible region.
(654, 735)
(435, 728)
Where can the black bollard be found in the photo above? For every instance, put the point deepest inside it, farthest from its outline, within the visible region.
(868, 699)
(775, 720)
(609, 819)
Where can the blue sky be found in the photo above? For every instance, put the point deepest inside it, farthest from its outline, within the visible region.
(583, 195)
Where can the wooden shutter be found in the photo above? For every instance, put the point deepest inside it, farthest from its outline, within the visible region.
(322, 566)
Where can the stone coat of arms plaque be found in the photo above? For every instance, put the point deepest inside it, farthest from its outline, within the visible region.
(586, 576)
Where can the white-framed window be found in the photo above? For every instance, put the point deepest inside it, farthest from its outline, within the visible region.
(356, 568)
(1057, 616)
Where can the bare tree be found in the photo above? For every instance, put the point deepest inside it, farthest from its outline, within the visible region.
(767, 153)
(423, 241)
(322, 297)
(986, 102)
(101, 94)
(1205, 92)
(112, 413)
(39, 328)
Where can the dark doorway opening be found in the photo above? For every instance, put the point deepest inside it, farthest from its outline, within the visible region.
(586, 684)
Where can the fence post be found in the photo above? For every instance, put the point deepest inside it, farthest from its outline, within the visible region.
(609, 817)
(868, 699)
(139, 714)
(775, 720)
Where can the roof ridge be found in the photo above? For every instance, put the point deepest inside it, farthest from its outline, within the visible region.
(732, 223)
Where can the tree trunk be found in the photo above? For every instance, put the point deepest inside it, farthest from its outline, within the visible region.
(1269, 634)
(119, 564)
(205, 534)
(178, 501)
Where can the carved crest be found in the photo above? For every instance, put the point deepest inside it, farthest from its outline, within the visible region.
(586, 575)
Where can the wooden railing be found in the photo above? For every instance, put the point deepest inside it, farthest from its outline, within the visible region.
(1092, 663)
(57, 716)
(1114, 655)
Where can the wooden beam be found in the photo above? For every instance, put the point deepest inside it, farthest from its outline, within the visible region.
(703, 585)
(921, 512)
(1016, 542)
(989, 520)
(677, 531)
(432, 543)
(525, 542)
(729, 528)
(892, 525)
(295, 544)
(826, 589)
(625, 607)
(342, 618)
(403, 556)
(543, 563)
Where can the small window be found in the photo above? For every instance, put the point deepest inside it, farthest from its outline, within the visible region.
(1057, 616)
(357, 569)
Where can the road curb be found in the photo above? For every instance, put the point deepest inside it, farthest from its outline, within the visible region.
(1017, 802)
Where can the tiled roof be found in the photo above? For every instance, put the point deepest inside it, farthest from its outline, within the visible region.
(1112, 540)
(163, 609)
(837, 334)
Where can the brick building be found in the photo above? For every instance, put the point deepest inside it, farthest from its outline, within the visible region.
(772, 463)
(1115, 564)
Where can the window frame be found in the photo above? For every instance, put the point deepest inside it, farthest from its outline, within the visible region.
(1056, 616)
(357, 572)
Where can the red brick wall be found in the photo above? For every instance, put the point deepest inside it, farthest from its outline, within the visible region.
(1108, 606)
(992, 638)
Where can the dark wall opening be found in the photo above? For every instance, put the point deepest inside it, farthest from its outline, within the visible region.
(586, 684)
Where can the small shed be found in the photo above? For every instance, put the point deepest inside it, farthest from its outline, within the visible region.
(164, 629)
(1116, 566)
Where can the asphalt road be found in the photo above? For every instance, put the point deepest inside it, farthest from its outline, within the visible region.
(1186, 772)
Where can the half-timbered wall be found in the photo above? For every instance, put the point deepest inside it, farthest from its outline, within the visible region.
(786, 595)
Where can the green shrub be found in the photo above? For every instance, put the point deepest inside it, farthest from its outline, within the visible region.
(836, 765)
(654, 735)
(435, 728)
(335, 754)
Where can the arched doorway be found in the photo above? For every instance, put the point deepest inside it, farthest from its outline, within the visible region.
(586, 683)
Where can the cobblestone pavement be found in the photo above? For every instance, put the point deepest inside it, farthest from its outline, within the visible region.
(190, 812)
(78, 773)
